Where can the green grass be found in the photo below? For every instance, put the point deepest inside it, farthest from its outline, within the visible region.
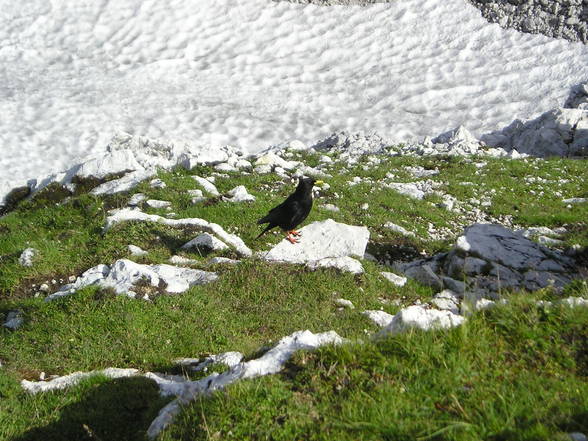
(327, 395)
(513, 373)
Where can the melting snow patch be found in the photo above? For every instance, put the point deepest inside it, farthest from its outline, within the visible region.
(59, 383)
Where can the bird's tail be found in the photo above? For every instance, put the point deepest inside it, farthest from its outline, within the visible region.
(269, 227)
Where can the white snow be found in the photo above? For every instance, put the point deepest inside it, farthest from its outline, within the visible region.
(253, 73)
(59, 383)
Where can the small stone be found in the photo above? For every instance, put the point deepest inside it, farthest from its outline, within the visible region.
(206, 240)
(380, 318)
(344, 303)
(136, 251)
(136, 199)
(394, 279)
(154, 203)
(44, 288)
(398, 229)
(157, 183)
(365, 206)
(180, 260)
(71, 279)
(331, 207)
(14, 320)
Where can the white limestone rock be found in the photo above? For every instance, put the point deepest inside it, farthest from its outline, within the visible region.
(154, 203)
(331, 207)
(137, 251)
(126, 183)
(380, 318)
(557, 132)
(27, 257)
(321, 240)
(269, 363)
(136, 199)
(273, 160)
(447, 300)
(394, 279)
(240, 194)
(157, 183)
(417, 317)
(208, 186)
(222, 260)
(124, 274)
(125, 215)
(458, 141)
(407, 189)
(344, 303)
(398, 229)
(345, 264)
(180, 260)
(206, 241)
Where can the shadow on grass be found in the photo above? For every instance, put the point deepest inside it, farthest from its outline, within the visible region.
(121, 409)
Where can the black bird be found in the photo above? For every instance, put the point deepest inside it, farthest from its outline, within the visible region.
(290, 213)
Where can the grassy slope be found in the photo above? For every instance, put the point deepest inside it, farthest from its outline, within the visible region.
(255, 303)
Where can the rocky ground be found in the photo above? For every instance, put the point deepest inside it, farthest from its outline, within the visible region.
(566, 19)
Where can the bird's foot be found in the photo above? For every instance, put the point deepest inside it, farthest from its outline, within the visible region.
(294, 233)
(291, 239)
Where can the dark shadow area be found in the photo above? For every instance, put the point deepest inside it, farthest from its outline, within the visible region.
(119, 410)
(393, 251)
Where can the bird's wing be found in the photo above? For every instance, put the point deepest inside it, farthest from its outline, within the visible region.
(276, 213)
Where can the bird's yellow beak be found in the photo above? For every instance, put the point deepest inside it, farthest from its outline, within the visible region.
(318, 182)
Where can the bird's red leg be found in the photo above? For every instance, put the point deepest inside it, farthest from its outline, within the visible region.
(295, 233)
(291, 239)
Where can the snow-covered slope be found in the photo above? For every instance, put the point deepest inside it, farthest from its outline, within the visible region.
(255, 72)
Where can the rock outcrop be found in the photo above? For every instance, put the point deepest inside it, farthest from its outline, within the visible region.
(321, 240)
(490, 258)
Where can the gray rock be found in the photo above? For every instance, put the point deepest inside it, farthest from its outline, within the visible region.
(456, 286)
(425, 275)
(493, 258)
(558, 132)
(14, 320)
